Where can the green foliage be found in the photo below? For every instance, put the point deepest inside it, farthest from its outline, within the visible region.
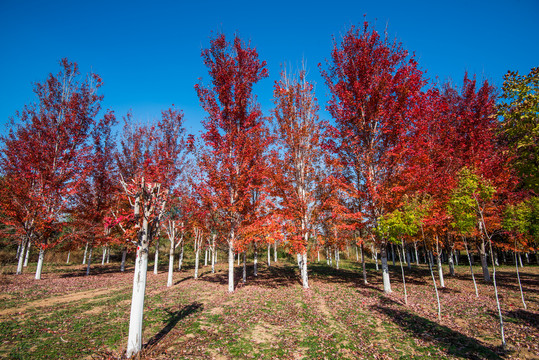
(463, 205)
(520, 113)
(405, 221)
(523, 218)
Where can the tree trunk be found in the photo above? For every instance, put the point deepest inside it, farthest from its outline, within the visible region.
(40, 264)
(436, 290)
(85, 253)
(451, 264)
(156, 261)
(170, 263)
(134, 342)
(439, 262)
(206, 257)
(385, 269)
(363, 265)
(471, 268)
(89, 262)
(22, 255)
(104, 255)
(108, 254)
(304, 275)
(520, 284)
(337, 257)
(231, 267)
(275, 251)
(244, 267)
(180, 260)
(213, 254)
(124, 255)
(269, 254)
(255, 260)
(27, 256)
(483, 256)
(197, 252)
(520, 260)
(408, 257)
(403, 279)
(68, 255)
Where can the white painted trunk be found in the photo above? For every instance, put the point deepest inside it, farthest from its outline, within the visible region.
(484, 264)
(255, 271)
(244, 267)
(416, 254)
(197, 252)
(134, 342)
(403, 279)
(520, 284)
(104, 255)
(85, 253)
(435, 289)
(337, 257)
(230, 268)
(520, 260)
(363, 265)
(89, 262)
(451, 264)
(275, 251)
(471, 269)
(440, 271)
(22, 256)
(213, 254)
(269, 255)
(170, 264)
(385, 270)
(156, 260)
(27, 256)
(206, 257)
(124, 255)
(180, 260)
(357, 254)
(108, 254)
(39, 268)
(304, 274)
(68, 255)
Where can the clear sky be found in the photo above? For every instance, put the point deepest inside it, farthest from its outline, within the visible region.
(148, 52)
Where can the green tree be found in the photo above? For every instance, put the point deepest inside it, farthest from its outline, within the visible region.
(520, 112)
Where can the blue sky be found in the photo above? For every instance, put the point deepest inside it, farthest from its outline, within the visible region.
(148, 53)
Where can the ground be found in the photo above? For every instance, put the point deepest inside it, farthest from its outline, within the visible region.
(72, 316)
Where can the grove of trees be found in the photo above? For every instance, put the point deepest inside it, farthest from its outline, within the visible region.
(406, 167)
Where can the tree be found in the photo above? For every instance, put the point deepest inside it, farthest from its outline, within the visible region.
(373, 84)
(47, 148)
(520, 126)
(150, 161)
(297, 169)
(234, 133)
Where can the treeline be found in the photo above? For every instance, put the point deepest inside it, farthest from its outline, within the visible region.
(405, 164)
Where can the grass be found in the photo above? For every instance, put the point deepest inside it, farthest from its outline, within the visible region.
(69, 315)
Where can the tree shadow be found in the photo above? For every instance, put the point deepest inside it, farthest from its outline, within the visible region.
(273, 277)
(452, 342)
(173, 318)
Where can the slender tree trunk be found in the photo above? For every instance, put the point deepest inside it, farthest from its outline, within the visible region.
(206, 257)
(520, 260)
(269, 254)
(68, 255)
(85, 253)
(439, 262)
(363, 264)
(357, 253)
(156, 261)
(197, 252)
(483, 256)
(124, 255)
(108, 254)
(520, 284)
(40, 263)
(527, 258)
(403, 279)
(180, 260)
(104, 255)
(22, 255)
(376, 258)
(408, 256)
(244, 267)
(19, 247)
(337, 258)
(213, 253)
(416, 254)
(451, 264)
(89, 260)
(231, 266)
(255, 260)
(27, 256)
(170, 263)
(134, 342)
(275, 251)
(393, 254)
(304, 275)
(385, 269)
(471, 268)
